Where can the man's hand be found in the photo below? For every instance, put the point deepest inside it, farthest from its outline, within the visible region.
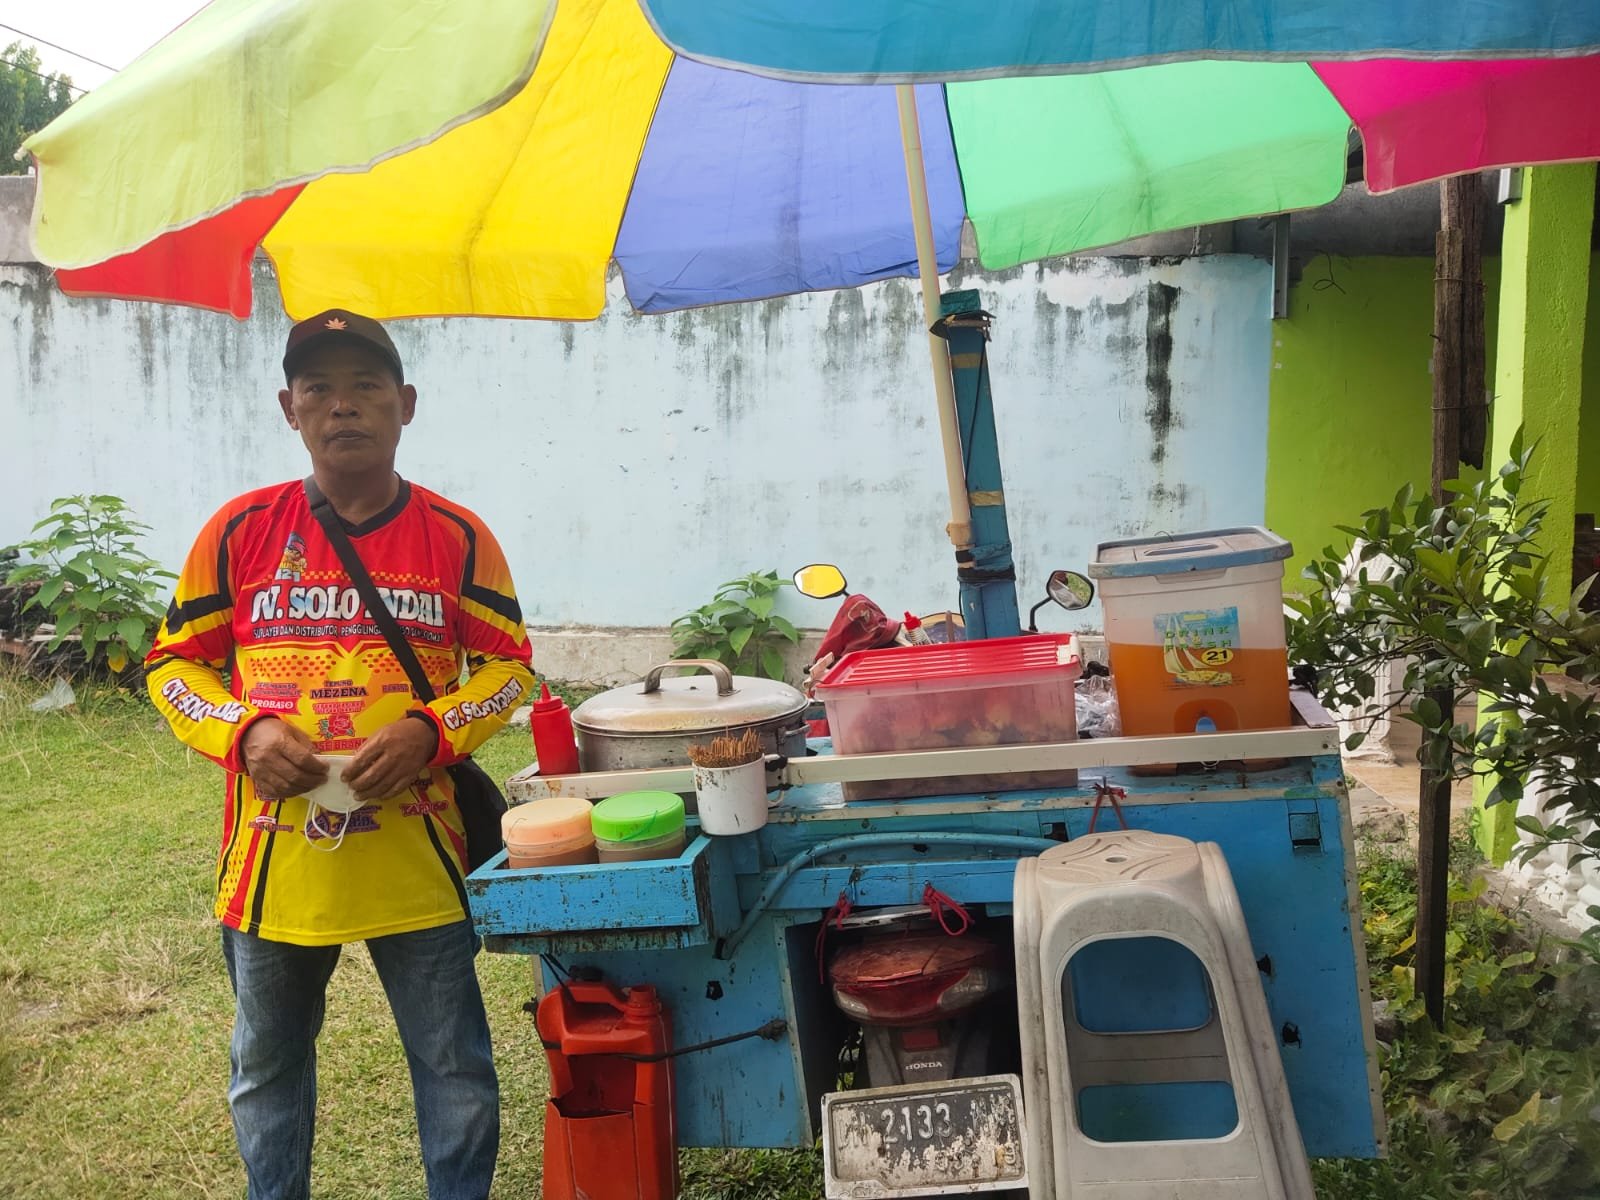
(280, 760)
(391, 759)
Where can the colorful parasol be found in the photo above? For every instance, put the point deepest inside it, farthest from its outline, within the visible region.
(408, 158)
(891, 41)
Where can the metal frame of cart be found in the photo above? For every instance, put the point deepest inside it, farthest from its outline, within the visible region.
(726, 930)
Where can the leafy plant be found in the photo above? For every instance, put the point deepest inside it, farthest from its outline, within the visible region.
(1461, 592)
(93, 581)
(739, 627)
(30, 99)
(1498, 1103)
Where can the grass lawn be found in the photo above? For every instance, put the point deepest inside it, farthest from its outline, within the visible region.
(114, 1004)
(115, 1012)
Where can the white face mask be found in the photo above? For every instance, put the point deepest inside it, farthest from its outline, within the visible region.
(330, 796)
(315, 821)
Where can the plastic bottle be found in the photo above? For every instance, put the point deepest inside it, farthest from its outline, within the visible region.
(915, 634)
(553, 740)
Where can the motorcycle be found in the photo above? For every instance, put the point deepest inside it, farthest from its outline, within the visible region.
(926, 987)
(929, 989)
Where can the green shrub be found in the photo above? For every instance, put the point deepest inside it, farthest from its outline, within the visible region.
(1501, 1103)
(738, 628)
(94, 583)
(1472, 605)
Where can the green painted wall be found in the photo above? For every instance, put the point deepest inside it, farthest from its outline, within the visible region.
(1351, 395)
(1351, 414)
(1542, 381)
(1589, 427)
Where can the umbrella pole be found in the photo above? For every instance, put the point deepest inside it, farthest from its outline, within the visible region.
(960, 527)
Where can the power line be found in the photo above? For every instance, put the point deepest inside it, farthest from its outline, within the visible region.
(94, 61)
(72, 87)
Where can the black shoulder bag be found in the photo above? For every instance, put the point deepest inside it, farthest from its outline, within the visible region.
(477, 796)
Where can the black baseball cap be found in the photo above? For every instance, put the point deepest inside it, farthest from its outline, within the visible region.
(338, 324)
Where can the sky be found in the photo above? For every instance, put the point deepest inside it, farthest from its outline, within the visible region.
(113, 31)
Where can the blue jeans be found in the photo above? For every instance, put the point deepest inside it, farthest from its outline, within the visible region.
(432, 988)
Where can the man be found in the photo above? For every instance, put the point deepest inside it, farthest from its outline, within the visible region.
(265, 596)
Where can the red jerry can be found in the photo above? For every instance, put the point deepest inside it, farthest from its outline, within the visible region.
(610, 1132)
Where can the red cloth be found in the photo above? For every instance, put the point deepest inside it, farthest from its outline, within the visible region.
(859, 625)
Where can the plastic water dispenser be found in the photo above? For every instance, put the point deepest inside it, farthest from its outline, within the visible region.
(1194, 630)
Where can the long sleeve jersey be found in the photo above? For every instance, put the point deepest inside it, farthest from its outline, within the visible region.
(266, 623)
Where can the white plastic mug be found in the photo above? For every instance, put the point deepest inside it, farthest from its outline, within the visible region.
(731, 800)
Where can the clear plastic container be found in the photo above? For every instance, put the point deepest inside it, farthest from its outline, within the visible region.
(1000, 692)
(557, 832)
(1194, 629)
(667, 846)
(639, 825)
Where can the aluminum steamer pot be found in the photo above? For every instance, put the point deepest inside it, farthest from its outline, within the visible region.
(640, 727)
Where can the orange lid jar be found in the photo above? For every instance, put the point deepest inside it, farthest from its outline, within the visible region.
(549, 833)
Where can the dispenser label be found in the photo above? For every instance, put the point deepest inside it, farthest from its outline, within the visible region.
(1198, 647)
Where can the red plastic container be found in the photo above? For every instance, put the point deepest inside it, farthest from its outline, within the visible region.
(554, 743)
(1000, 692)
(610, 1132)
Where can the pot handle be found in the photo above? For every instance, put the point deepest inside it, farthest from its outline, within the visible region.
(723, 676)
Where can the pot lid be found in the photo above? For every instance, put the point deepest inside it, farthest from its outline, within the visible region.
(689, 703)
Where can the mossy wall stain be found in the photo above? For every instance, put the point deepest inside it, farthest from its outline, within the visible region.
(1160, 301)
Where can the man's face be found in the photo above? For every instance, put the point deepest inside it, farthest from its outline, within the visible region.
(349, 408)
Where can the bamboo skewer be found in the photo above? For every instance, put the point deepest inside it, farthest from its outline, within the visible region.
(726, 750)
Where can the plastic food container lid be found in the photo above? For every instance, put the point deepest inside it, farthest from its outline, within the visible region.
(557, 821)
(638, 816)
(1210, 550)
(1038, 654)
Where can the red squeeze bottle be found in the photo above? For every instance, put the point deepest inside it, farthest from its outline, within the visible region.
(916, 635)
(553, 739)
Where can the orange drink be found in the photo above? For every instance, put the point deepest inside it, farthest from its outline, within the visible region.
(1194, 628)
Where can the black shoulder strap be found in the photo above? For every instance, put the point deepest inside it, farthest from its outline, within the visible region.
(393, 634)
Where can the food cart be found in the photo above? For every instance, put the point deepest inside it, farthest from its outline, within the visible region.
(727, 931)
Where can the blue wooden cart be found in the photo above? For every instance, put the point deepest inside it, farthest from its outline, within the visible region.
(727, 931)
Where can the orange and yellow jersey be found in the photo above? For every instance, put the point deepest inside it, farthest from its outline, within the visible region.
(266, 623)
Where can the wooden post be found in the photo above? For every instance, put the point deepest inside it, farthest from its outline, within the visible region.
(1473, 418)
(1458, 375)
(1433, 877)
(1447, 345)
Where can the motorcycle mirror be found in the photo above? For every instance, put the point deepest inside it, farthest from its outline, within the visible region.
(820, 581)
(1070, 590)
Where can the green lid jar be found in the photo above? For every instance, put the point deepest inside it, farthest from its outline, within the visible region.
(639, 825)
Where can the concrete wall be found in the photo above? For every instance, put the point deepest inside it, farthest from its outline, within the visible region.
(16, 214)
(631, 464)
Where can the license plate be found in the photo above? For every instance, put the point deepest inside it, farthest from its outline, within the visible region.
(924, 1139)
